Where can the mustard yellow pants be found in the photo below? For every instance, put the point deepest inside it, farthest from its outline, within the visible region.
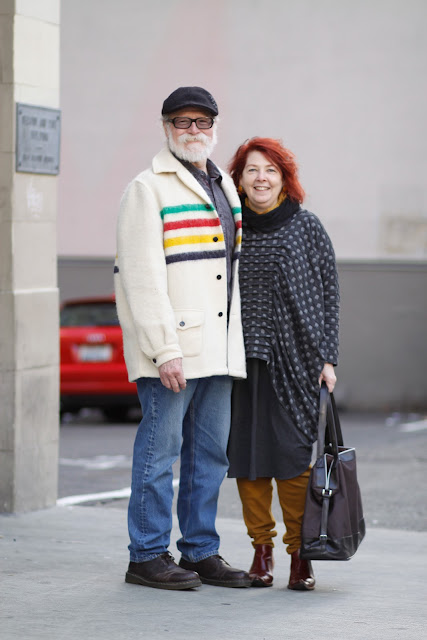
(256, 496)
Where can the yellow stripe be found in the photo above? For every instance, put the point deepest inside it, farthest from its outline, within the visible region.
(172, 242)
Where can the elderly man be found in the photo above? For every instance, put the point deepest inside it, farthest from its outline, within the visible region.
(178, 237)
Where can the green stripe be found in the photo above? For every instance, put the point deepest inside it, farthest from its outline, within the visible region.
(186, 207)
(236, 210)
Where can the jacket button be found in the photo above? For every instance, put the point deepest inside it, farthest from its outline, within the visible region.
(218, 277)
(182, 323)
(215, 239)
(154, 360)
(220, 314)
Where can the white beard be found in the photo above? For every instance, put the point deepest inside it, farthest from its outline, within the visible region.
(191, 155)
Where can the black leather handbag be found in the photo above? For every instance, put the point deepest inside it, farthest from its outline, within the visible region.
(333, 525)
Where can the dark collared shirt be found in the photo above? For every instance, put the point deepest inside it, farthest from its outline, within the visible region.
(211, 183)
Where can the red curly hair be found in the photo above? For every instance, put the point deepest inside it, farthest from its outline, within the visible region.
(278, 155)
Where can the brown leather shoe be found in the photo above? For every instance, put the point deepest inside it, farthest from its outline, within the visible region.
(216, 571)
(261, 571)
(162, 573)
(301, 578)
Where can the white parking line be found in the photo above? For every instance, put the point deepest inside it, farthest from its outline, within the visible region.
(98, 463)
(69, 501)
(409, 427)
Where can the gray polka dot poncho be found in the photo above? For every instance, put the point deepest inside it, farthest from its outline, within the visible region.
(290, 304)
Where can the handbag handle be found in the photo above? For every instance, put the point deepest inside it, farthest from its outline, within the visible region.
(329, 434)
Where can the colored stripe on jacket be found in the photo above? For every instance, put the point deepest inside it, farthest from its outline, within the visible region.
(191, 236)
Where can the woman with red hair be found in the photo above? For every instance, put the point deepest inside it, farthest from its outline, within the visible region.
(290, 306)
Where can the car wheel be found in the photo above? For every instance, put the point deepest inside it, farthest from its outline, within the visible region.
(116, 414)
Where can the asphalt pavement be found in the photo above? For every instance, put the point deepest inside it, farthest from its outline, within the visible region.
(62, 577)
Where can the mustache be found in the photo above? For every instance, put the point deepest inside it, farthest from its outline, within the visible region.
(185, 151)
(189, 137)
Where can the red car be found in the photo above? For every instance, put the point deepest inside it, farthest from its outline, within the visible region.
(93, 370)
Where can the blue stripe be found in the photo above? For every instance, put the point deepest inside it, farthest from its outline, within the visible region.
(197, 255)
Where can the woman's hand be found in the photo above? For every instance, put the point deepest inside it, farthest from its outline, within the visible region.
(328, 375)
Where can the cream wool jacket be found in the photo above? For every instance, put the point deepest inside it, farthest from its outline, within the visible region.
(170, 275)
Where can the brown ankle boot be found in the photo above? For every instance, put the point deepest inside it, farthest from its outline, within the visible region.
(301, 578)
(261, 571)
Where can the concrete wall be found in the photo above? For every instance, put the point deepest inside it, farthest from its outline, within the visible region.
(383, 341)
(29, 375)
(80, 277)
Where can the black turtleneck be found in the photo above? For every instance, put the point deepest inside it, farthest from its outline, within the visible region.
(272, 220)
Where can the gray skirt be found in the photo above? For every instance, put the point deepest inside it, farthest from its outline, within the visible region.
(264, 442)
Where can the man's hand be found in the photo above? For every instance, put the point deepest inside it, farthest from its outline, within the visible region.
(172, 375)
(328, 375)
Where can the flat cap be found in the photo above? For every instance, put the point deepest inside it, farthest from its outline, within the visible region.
(190, 97)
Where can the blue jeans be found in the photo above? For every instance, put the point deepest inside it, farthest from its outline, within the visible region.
(194, 423)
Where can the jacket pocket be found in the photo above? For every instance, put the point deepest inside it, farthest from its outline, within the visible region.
(189, 328)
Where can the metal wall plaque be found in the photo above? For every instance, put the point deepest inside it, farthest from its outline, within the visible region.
(38, 132)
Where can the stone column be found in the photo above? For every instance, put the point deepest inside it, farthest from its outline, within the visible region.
(29, 343)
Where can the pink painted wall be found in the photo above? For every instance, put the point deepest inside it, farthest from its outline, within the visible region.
(340, 82)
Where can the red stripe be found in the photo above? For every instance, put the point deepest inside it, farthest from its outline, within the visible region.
(183, 224)
(239, 224)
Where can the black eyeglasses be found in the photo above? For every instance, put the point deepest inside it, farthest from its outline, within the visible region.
(185, 123)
